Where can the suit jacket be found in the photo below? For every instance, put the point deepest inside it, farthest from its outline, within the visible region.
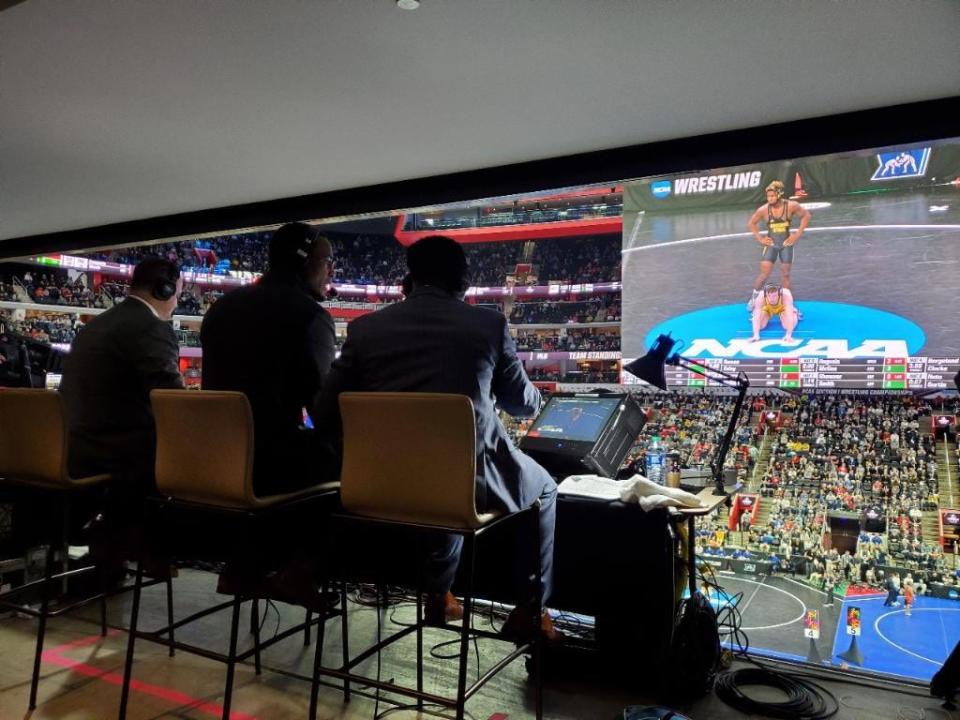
(273, 342)
(113, 364)
(433, 342)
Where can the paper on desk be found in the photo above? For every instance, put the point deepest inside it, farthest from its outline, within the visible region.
(593, 486)
(638, 489)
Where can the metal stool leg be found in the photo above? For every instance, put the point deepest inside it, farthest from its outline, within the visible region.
(306, 629)
(131, 639)
(419, 619)
(538, 607)
(468, 553)
(170, 610)
(317, 664)
(42, 630)
(345, 639)
(103, 602)
(255, 618)
(232, 656)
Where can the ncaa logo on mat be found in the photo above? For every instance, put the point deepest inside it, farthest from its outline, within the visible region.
(661, 189)
(827, 330)
(898, 164)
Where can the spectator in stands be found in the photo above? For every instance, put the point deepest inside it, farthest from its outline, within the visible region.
(434, 342)
(274, 342)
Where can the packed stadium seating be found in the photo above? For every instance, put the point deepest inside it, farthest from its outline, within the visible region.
(379, 259)
(46, 287)
(573, 339)
(858, 442)
(598, 308)
(578, 259)
(852, 454)
(7, 293)
(522, 213)
(49, 328)
(490, 262)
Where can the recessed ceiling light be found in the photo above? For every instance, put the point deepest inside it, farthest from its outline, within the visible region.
(408, 4)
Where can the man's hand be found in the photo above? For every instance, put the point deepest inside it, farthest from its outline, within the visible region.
(791, 239)
(764, 240)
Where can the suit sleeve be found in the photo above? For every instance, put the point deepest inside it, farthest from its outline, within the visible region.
(514, 392)
(157, 357)
(343, 377)
(320, 350)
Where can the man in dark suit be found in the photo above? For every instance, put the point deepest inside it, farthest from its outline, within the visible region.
(435, 342)
(273, 342)
(114, 363)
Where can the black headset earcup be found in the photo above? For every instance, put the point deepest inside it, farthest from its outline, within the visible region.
(164, 289)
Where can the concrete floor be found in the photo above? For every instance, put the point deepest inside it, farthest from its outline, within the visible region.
(81, 673)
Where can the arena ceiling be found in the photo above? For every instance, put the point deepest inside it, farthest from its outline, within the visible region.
(114, 111)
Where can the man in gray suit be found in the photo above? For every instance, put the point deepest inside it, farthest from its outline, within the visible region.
(435, 342)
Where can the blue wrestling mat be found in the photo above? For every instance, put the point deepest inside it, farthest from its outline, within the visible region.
(830, 330)
(894, 644)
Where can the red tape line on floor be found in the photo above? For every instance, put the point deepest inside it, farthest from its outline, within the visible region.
(54, 656)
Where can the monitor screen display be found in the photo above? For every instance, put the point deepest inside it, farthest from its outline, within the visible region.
(574, 418)
(860, 248)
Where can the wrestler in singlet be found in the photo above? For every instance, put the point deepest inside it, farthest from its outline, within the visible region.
(779, 307)
(778, 230)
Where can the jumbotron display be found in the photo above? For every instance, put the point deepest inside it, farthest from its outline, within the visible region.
(836, 271)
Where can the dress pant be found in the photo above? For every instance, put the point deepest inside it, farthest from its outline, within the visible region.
(444, 556)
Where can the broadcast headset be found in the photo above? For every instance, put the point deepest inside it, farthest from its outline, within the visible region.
(165, 286)
(291, 249)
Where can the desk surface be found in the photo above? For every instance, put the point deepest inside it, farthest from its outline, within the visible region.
(710, 502)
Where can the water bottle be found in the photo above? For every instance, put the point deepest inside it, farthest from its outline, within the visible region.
(656, 457)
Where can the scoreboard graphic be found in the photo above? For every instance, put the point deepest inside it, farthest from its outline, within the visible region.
(894, 373)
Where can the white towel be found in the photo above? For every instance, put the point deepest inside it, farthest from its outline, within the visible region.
(640, 488)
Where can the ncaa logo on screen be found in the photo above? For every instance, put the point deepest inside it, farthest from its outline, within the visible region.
(898, 164)
(661, 189)
(827, 330)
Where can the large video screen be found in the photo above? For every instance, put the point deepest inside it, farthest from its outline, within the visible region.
(823, 272)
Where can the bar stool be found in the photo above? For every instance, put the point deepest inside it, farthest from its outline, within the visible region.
(421, 475)
(33, 464)
(207, 507)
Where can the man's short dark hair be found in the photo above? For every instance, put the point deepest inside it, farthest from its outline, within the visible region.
(291, 246)
(150, 271)
(439, 261)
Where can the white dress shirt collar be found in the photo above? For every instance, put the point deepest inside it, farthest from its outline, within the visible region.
(152, 308)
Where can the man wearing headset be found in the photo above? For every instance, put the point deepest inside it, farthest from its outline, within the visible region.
(778, 214)
(435, 342)
(274, 342)
(114, 363)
